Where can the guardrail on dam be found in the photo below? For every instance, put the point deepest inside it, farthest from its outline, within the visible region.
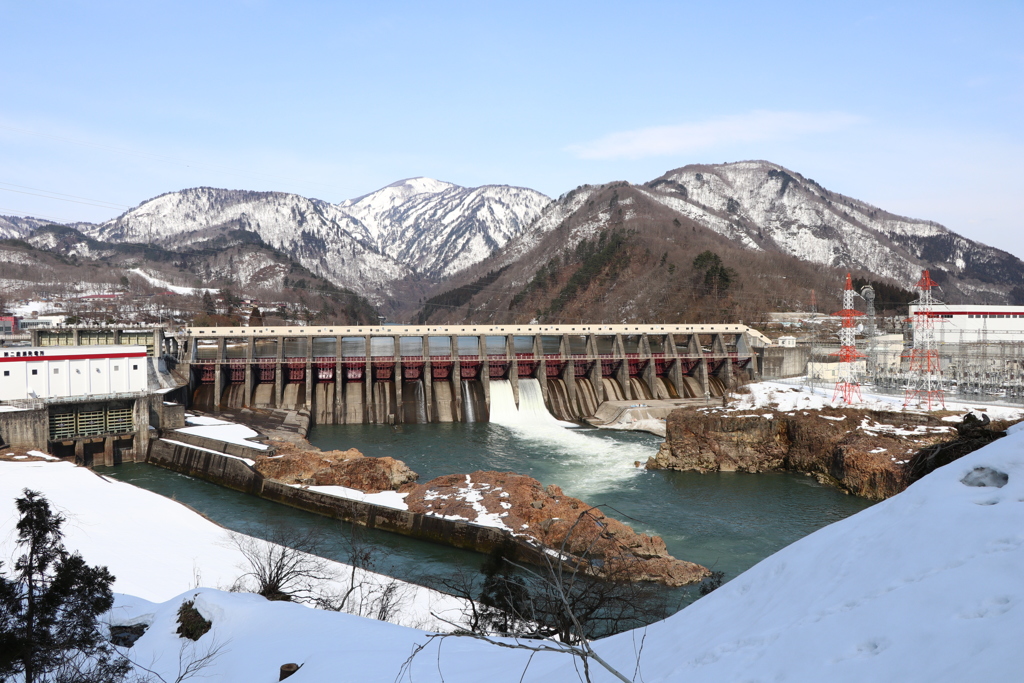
(396, 373)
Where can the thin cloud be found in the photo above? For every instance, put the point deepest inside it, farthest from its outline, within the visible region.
(757, 126)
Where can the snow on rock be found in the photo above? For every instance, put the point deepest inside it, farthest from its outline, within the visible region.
(472, 495)
(388, 499)
(222, 430)
(544, 515)
(788, 398)
(873, 427)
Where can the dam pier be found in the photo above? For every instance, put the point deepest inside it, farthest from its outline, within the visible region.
(422, 374)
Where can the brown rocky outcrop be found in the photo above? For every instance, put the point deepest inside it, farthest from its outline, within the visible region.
(547, 516)
(868, 453)
(350, 468)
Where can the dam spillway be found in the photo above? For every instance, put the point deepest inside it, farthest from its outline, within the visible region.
(421, 374)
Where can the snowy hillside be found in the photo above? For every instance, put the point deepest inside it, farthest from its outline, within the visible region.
(767, 209)
(437, 228)
(307, 230)
(16, 227)
(163, 548)
(420, 226)
(922, 587)
(398, 241)
(765, 206)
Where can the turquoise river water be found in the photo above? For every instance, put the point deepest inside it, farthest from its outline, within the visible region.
(727, 521)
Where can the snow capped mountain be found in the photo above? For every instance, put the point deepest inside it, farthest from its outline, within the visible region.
(394, 194)
(438, 228)
(419, 226)
(397, 242)
(16, 227)
(308, 230)
(767, 207)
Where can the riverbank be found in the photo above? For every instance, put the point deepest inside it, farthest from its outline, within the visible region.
(874, 451)
(482, 511)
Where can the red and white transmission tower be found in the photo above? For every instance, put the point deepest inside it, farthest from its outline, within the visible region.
(847, 385)
(924, 374)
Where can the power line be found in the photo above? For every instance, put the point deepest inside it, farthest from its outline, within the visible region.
(61, 199)
(15, 214)
(62, 194)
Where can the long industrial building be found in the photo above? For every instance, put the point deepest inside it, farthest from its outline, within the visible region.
(87, 393)
(972, 324)
(43, 373)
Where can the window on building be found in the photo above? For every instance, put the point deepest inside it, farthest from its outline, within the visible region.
(135, 367)
(35, 372)
(56, 371)
(117, 368)
(7, 373)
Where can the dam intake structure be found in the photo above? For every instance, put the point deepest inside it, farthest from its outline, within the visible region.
(395, 374)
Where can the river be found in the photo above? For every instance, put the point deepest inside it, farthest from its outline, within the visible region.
(727, 521)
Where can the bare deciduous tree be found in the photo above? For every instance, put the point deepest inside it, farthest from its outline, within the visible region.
(292, 572)
(364, 591)
(558, 607)
(291, 566)
(192, 661)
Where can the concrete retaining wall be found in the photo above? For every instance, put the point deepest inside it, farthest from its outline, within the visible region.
(25, 428)
(236, 474)
(779, 362)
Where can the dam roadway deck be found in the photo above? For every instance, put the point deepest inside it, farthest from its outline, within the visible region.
(409, 373)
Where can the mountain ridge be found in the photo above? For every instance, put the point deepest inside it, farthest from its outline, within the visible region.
(410, 229)
(419, 236)
(779, 235)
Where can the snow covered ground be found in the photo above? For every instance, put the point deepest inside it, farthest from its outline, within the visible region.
(156, 547)
(788, 398)
(925, 586)
(221, 430)
(388, 499)
(177, 289)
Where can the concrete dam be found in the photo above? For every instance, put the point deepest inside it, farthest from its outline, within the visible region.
(419, 374)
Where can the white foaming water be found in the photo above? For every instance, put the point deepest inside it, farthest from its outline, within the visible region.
(421, 403)
(593, 462)
(468, 405)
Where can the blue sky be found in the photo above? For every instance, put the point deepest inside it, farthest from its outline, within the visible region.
(915, 107)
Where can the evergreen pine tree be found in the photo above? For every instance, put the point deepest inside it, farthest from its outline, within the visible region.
(208, 305)
(255, 317)
(50, 607)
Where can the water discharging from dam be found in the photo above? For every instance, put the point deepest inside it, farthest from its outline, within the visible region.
(596, 459)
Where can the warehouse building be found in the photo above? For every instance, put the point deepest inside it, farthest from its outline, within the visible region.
(972, 324)
(65, 372)
(92, 403)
